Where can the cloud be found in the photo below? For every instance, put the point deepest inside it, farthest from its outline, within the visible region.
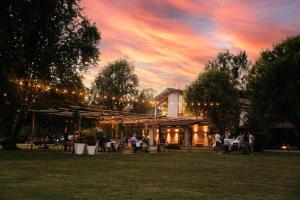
(170, 41)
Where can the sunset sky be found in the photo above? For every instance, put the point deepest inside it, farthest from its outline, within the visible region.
(169, 41)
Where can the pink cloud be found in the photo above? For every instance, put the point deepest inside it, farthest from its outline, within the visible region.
(170, 41)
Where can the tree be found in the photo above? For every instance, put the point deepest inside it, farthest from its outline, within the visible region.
(274, 85)
(144, 104)
(213, 95)
(40, 41)
(115, 87)
(236, 65)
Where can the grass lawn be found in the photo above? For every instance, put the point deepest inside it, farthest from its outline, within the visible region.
(205, 175)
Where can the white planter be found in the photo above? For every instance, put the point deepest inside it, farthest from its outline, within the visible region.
(79, 148)
(91, 150)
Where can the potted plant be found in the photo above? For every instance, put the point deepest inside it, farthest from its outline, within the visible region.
(78, 145)
(91, 141)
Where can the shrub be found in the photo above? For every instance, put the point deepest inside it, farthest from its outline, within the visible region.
(173, 146)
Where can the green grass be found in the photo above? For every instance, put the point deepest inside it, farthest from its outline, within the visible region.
(205, 175)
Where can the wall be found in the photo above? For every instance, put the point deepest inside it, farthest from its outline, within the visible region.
(173, 105)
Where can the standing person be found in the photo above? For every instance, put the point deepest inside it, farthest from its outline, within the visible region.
(133, 141)
(241, 143)
(246, 143)
(218, 142)
(251, 142)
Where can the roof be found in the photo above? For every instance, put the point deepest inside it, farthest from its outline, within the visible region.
(165, 93)
(180, 121)
(105, 116)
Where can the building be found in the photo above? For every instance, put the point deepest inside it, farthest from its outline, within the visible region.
(178, 126)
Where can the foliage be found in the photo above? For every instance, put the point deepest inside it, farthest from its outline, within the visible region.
(144, 105)
(173, 146)
(214, 86)
(116, 80)
(48, 41)
(274, 85)
(90, 138)
(236, 65)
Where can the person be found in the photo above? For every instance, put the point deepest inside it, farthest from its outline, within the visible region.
(251, 143)
(241, 143)
(133, 142)
(146, 143)
(246, 143)
(218, 142)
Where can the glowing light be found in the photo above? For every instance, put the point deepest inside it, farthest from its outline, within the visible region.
(195, 138)
(73, 92)
(5, 94)
(168, 138)
(284, 147)
(176, 137)
(21, 83)
(80, 93)
(65, 91)
(205, 129)
(56, 89)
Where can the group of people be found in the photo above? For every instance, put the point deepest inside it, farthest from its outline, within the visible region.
(106, 144)
(139, 145)
(244, 142)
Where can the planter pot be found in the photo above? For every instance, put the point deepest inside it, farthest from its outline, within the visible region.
(91, 150)
(79, 148)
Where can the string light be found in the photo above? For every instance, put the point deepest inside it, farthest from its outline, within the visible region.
(87, 95)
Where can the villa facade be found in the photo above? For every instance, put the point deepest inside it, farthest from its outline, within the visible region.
(178, 127)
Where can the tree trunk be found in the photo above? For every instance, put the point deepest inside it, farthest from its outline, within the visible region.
(10, 143)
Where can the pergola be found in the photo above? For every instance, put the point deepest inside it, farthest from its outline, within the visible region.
(116, 117)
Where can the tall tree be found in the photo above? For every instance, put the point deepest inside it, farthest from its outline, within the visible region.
(40, 40)
(115, 86)
(236, 65)
(213, 95)
(144, 104)
(274, 85)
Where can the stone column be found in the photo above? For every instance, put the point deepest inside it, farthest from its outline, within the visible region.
(186, 137)
(151, 136)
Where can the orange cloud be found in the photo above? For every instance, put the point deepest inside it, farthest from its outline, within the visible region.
(170, 41)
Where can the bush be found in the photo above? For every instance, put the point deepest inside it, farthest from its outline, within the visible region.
(90, 140)
(173, 146)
